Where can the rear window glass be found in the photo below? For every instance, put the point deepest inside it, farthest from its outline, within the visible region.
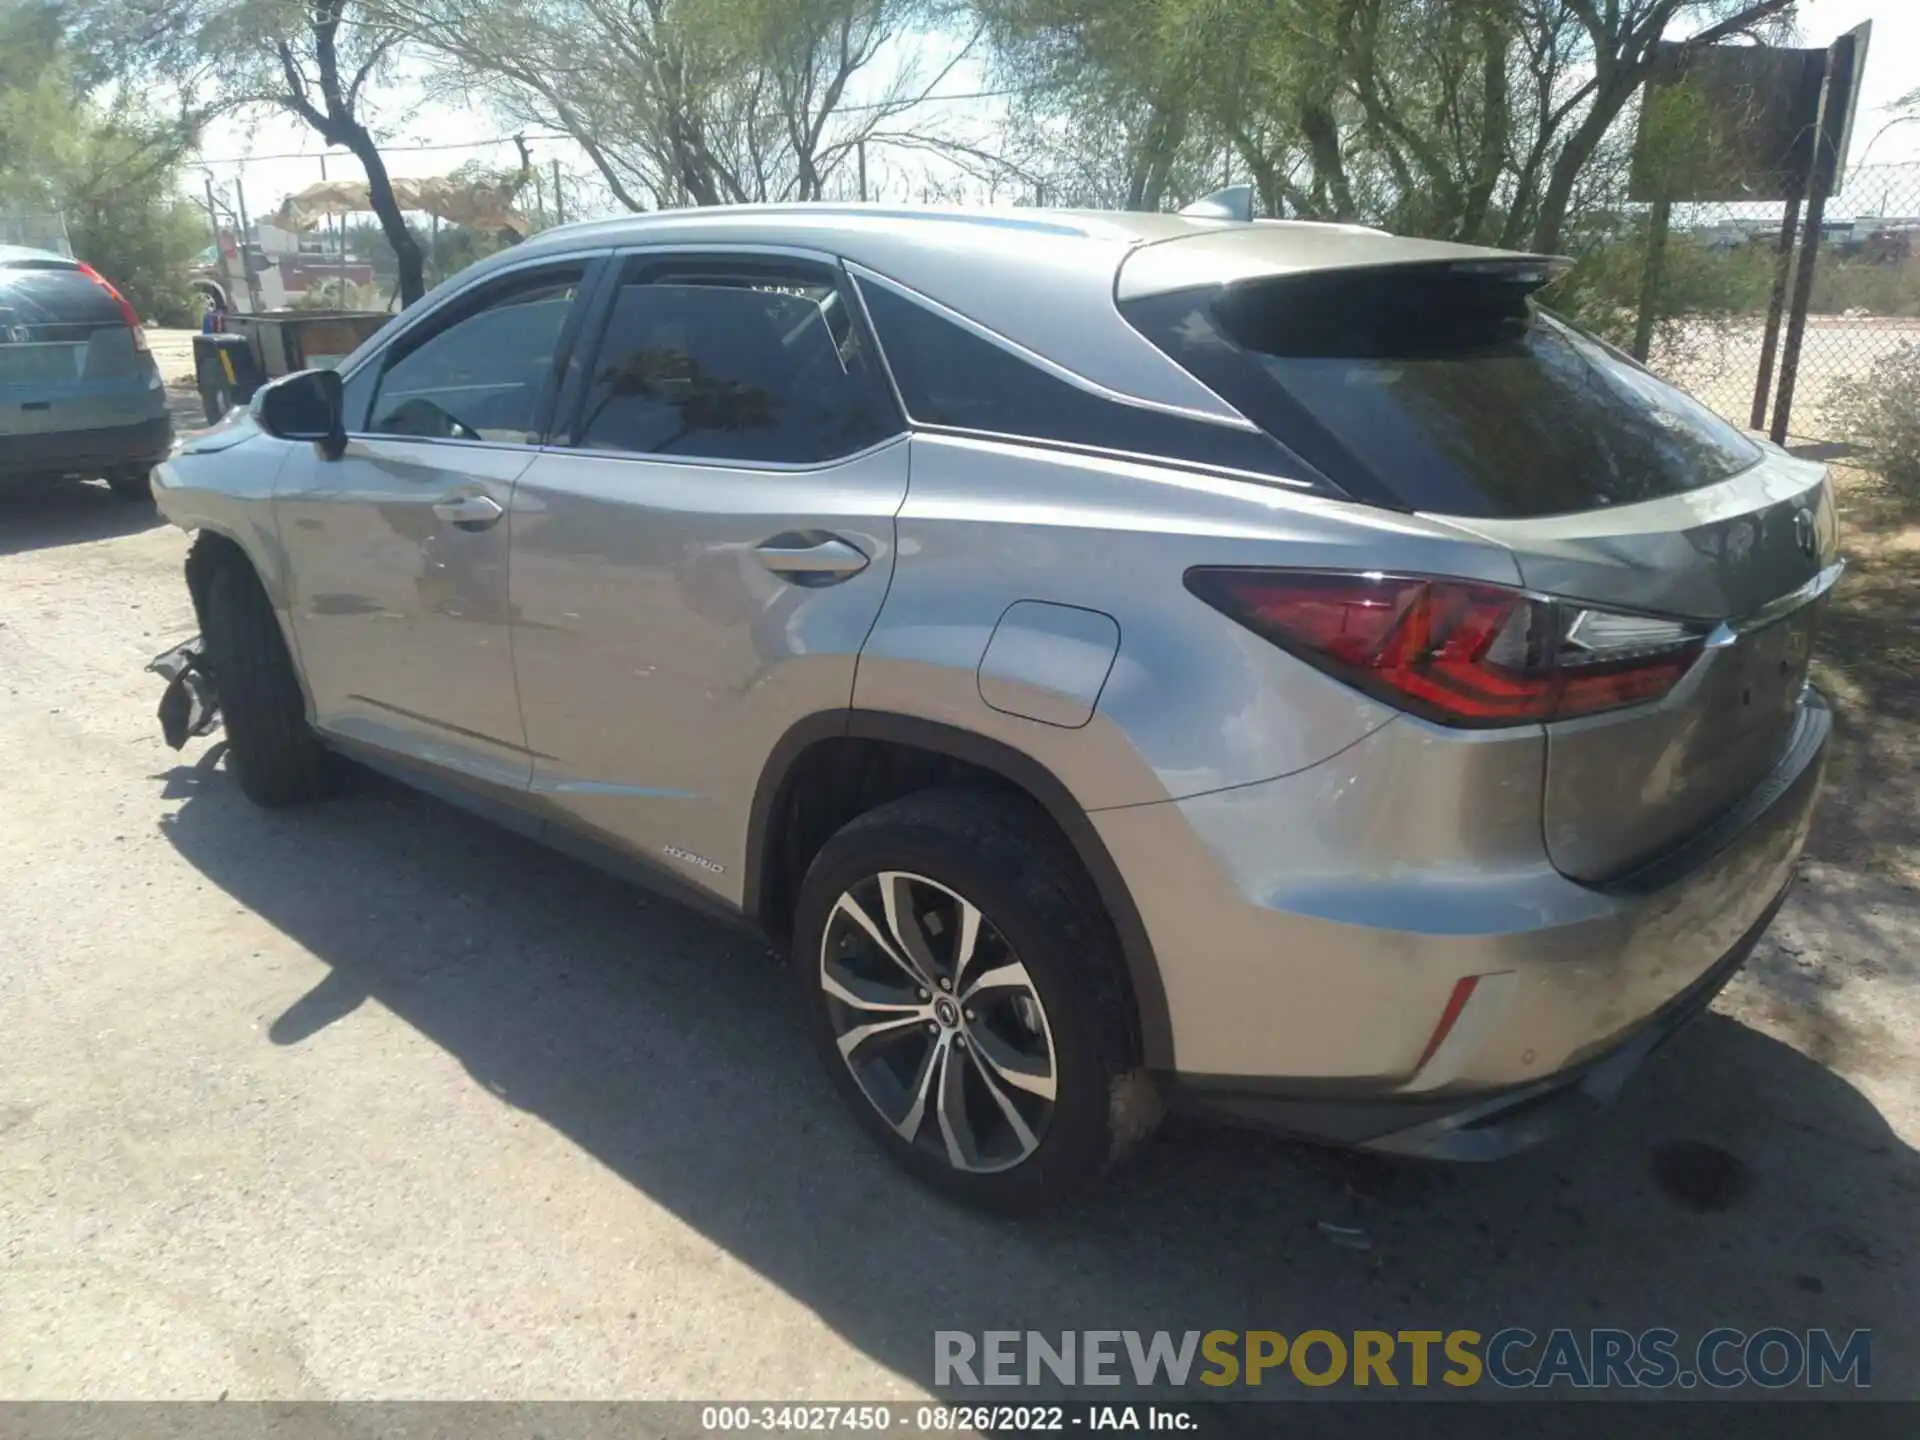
(1446, 393)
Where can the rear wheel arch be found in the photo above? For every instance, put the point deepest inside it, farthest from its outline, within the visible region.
(864, 758)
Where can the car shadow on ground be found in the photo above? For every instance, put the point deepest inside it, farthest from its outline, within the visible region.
(47, 514)
(1736, 1183)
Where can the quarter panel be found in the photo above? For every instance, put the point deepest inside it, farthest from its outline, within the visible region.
(1313, 926)
(1048, 662)
(1194, 702)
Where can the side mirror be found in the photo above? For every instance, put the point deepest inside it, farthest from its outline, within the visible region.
(306, 405)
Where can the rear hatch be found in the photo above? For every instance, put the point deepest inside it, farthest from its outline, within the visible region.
(69, 360)
(1435, 385)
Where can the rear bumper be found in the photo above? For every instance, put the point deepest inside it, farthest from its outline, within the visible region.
(88, 452)
(1490, 1125)
(1314, 932)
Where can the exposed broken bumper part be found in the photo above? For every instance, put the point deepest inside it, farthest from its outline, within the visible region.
(190, 707)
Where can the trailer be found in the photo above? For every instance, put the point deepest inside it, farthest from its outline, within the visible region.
(246, 351)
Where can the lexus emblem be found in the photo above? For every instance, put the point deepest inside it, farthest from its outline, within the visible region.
(1806, 534)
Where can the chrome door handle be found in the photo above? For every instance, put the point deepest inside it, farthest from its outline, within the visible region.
(810, 562)
(469, 512)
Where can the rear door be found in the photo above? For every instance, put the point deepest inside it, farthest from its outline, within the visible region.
(698, 566)
(67, 356)
(1440, 388)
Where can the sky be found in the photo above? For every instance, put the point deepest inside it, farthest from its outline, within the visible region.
(275, 156)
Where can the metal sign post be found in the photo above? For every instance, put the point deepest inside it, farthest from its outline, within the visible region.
(1845, 60)
(1776, 310)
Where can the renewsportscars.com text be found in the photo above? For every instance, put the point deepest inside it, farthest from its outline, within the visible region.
(1514, 1358)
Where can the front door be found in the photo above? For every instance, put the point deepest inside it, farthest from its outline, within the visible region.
(699, 566)
(398, 550)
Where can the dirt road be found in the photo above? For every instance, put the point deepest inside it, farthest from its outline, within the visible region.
(370, 1100)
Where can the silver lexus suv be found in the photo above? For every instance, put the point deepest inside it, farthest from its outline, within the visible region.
(1122, 660)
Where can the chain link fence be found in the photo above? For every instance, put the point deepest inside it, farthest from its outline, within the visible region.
(36, 231)
(1719, 275)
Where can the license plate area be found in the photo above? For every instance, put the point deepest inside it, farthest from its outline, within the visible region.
(1771, 667)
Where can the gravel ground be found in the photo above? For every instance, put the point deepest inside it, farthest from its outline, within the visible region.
(373, 1101)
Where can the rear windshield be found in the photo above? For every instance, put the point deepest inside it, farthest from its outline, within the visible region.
(1431, 389)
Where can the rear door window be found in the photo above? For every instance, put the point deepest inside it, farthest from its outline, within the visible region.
(952, 378)
(1428, 389)
(753, 365)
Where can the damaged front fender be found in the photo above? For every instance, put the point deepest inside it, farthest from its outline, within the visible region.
(190, 707)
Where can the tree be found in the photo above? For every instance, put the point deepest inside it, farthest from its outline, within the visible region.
(1620, 45)
(1475, 120)
(315, 60)
(1105, 96)
(1335, 109)
(110, 170)
(676, 102)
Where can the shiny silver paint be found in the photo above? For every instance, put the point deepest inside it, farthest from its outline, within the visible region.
(1619, 786)
(660, 658)
(401, 613)
(1216, 254)
(1049, 662)
(1340, 906)
(624, 649)
(1190, 704)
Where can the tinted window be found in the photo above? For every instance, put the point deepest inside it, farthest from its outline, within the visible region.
(950, 376)
(1448, 393)
(481, 377)
(744, 368)
(355, 394)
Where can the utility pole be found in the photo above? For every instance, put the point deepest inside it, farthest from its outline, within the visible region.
(219, 255)
(1829, 155)
(246, 260)
(559, 204)
(339, 238)
(860, 153)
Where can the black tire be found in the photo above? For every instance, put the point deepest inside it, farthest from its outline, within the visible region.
(134, 485)
(271, 750)
(1001, 853)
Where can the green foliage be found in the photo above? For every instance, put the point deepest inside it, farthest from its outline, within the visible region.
(1484, 121)
(1880, 413)
(1877, 288)
(111, 171)
(1699, 285)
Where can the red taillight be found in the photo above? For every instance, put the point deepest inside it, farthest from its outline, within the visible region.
(127, 311)
(1455, 651)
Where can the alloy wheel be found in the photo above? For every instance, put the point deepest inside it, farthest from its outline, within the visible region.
(938, 1021)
